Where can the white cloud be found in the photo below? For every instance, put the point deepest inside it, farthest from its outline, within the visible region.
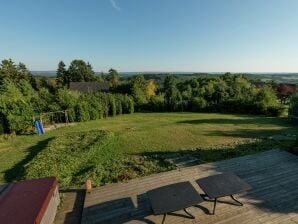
(114, 5)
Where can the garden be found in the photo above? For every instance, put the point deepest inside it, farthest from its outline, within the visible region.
(129, 146)
(133, 130)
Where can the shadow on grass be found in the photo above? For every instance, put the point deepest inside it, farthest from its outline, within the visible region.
(17, 172)
(224, 152)
(254, 133)
(242, 120)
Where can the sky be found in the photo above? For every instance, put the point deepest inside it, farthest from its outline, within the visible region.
(152, 35)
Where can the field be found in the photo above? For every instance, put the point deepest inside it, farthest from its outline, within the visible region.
(208, 137)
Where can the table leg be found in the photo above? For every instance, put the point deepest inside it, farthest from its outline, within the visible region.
(189, 214)
(239, 203)
(164, 218)
(214, 206)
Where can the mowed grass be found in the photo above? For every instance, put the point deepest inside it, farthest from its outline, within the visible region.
(151, 133)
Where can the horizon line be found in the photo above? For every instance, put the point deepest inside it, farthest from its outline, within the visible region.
(186, 72)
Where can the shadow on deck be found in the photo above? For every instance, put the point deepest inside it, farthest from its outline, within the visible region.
(273, 198)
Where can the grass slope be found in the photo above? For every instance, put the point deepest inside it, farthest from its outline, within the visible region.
(75, 157)
(208, 137)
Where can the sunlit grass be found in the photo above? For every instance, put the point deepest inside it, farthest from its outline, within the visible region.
(141, 133)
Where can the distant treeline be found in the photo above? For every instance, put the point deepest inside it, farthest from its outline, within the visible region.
(24, 96)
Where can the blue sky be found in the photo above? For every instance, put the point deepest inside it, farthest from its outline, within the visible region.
(153, 35)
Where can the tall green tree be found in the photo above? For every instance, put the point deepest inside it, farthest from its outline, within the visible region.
(80, 71)
(15, 72)
(173, 98)
(266, 100)
(113, 77)
(62, 78)
(138, 89)
(8, 70)
(15, 108)
(293, 107)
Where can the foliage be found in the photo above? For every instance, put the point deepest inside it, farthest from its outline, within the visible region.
(225, 93)
(82, 112)
(15, 108)
(156, 103)
(113, 77)
(14, 73)
(63, 77)
(266, 100)
(198, 104)
(79, 71)
(173, 98)
(150, 88)
(20, 103)
(293, 107)
(138, 90)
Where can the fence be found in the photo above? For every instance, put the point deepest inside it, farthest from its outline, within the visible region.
(52, 118)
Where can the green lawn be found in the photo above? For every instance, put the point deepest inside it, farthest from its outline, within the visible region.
(156, 133)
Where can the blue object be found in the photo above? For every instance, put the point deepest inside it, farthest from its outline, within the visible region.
(39, 127)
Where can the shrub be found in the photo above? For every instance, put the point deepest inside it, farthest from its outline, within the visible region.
(112, 105)
(103, 100)
(130, 105)
(293, 107)
(82, 111)
(266, 101)
(198, 103)
(67, 99)
(118, 106)
(156, 103)
(94, 107)
(15, 109)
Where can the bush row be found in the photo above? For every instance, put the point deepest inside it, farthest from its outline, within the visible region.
(20, 104)
(227, 93)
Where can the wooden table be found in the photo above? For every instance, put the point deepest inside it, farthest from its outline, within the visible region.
(222, 185)
(174, 197)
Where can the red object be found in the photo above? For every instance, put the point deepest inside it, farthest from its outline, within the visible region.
(26, 201)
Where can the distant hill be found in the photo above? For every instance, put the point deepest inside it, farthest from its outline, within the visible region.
(44, 73)
(277, 77)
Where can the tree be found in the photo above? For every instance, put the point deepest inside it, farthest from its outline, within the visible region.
(8, 71)
(62, 77)
(150, 88)
(80, 71)
(266, 100)
(239, 87)
(46, 82)
(293, 107)
(173, 98)
(113, 77)
(138, 88)
(168, 82)
(23, 73)
(15, 73)
(15, 108)
(220, 90)
(284, 92)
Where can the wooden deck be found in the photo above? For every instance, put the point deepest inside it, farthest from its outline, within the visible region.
(273, 198)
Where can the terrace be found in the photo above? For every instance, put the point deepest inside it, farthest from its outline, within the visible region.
(273, 176)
